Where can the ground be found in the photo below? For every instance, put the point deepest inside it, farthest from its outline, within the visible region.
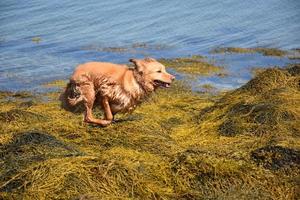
(179, 144)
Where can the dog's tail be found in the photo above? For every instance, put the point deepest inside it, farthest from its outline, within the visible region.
(71, 96)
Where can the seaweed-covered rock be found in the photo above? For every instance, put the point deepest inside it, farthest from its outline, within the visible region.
(19, 95)
(27, 104)
(195, 65)
(267, 80)
(20, 115)
(29, 148)
(256, 119)
(273, 78)
(31, 145)
(170, 123)
(276, 157)
(190, 160)
(263, 50)
(230, 127)
(294, 69)
(267, 104)
(5, 94)
(191, 171)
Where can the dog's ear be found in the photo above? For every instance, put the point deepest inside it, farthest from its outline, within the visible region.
(148, 59)
(137, 64)
(133, 60)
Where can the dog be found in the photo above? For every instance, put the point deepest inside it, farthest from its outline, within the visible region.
(117, 88)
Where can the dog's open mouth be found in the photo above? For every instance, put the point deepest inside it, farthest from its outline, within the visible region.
(159, 83)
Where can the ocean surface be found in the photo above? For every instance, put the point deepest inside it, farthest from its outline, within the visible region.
(41, 41)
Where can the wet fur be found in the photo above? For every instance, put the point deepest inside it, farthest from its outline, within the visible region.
(91, 89)
(126, 100)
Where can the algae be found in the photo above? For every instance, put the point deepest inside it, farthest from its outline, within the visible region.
(267, 104)
(144, 45)
(276, 157)
(18, 95)
(131, 48)
(262, 50)
(294, 54)
(179, 144)
(36, 39)
(257, 70)
(17, 114)
(55, 83)
(208, 88)
(194, 65)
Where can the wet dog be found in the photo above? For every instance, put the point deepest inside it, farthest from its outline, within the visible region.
(116, 88)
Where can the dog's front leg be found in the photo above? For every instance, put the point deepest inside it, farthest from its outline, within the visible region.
(106, 107)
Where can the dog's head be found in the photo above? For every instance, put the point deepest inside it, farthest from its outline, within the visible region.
(153, 72)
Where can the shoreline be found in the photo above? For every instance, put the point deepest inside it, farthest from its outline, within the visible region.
(232, 67)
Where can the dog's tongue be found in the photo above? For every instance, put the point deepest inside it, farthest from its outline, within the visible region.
(167, 85)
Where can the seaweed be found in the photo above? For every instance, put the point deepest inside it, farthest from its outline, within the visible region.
(17, 95)
(263, 106)
(194, 65)
(179, 144)
(20, 115)
(25, 149)
(276, 157)
(131, 48)
(263, 50)
(36, 39)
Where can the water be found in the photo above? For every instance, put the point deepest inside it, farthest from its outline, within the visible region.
(73, 32)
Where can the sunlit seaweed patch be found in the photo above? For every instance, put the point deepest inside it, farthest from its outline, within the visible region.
(263, 50)
(194, 65)
(180, 144)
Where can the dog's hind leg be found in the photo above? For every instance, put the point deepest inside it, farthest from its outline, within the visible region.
(88, 103)
(89, 118)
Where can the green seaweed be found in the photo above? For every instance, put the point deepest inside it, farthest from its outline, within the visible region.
(194, 65)
(276, 157)
(17, 114)
(55, 83)
(16, 95)
(257, 70)
(179, 144)
(263, 50)
(208, 87)
(36, 39)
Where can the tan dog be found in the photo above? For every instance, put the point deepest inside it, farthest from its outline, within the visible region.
(116, 88)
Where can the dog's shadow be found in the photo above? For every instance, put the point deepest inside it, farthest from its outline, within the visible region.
(125, 119)
(130, 118)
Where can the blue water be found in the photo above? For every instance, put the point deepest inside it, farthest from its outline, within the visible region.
(73, 32)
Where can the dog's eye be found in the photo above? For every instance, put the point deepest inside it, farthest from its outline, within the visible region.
(159, 71)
